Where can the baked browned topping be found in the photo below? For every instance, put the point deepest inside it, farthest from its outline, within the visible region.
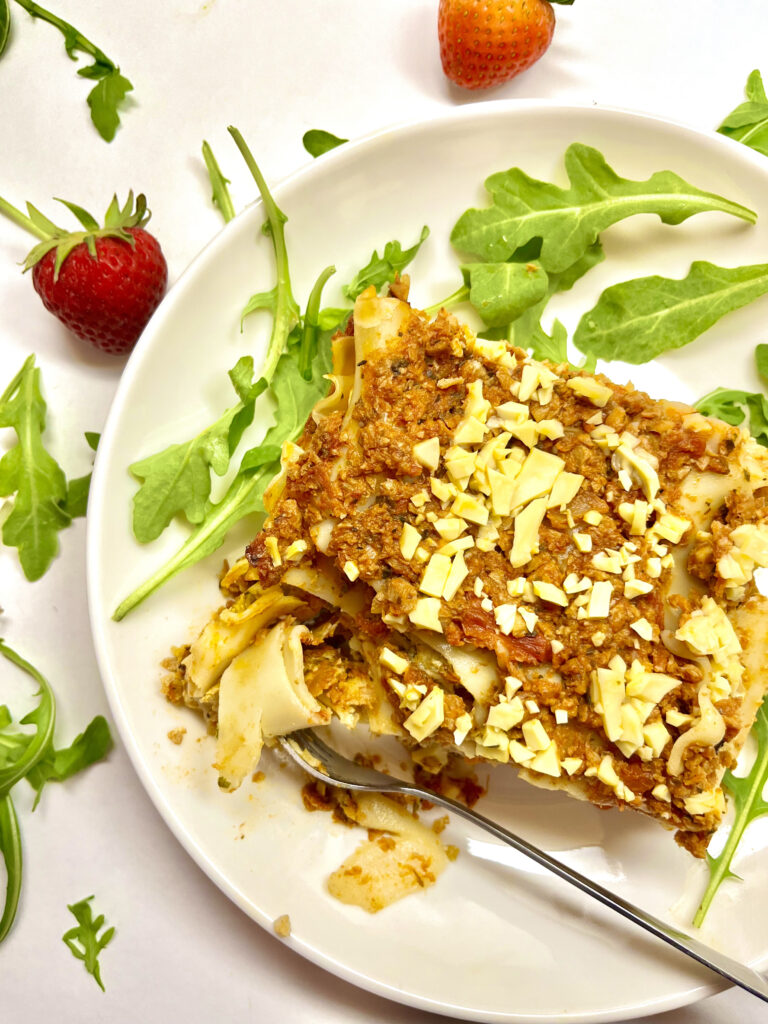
(590, 550)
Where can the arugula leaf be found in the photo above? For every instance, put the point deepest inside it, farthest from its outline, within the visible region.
(90, 746)
(32, 474)
(280, 299)
(747, 794)
(637, 320)
(32, 756)
(5, 24)
(748, 123)
(553, 347)
(310, 325)
(381, 270)
(295, 397)
(761, 359)
(569, 220)
(76, 501)
(84, 941)
(220, 193)
(10, 847)
(332, 317)
(43, 717)
(178, 478)
(316, 142)
(735, 406)
(111, 87)
(501, 292)
(104, 99)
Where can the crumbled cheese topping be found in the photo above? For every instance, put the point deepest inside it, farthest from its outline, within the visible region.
(427, 453)
(410, 538)
(273, 550)
(428, 716)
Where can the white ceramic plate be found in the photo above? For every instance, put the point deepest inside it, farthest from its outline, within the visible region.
(494, 939)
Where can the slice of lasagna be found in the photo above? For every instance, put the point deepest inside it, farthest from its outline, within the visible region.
(501, 559)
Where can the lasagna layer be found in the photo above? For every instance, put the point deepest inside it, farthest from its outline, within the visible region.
(498, 558)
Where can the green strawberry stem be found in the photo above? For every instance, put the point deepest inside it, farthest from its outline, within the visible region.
(22, 220)
(73, 38)
(286, 311)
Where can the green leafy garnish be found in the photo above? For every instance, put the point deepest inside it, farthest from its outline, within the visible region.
(42, 717)
(279, 299)
(84, 941)
(220, 193)
(311, 326)
(31, 756)
(32, 474)
(44, 501)
(502, 292)
(316, 142)
(637, 320)
(748, 123)
(92, 745)
(381, 270)
(10, 847)
(553, 347)
(111, 87)
(761, 360)
(295, 398)
(178, 479)
(569, 220)
(747, 795)
(5, 24)
(735, 406)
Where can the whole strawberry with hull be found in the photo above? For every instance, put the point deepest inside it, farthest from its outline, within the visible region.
(102, 282)
(487, 42)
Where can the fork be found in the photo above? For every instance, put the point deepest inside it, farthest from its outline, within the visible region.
(327, 765)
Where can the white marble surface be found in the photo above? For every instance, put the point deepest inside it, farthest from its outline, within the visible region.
(274, 69)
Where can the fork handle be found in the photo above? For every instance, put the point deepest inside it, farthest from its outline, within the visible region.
(723, 965)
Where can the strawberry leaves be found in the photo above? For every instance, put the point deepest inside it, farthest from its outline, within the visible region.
(569, 220)
(747, 795)
(748, 123)
(111, 87)
(84, 941)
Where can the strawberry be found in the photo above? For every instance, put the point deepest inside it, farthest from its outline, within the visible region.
(103, 283)
(487, 42)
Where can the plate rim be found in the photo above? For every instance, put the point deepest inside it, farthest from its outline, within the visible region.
(99, 619)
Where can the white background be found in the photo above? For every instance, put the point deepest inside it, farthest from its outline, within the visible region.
(274, 69)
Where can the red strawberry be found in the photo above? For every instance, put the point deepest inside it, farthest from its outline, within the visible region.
(103, 283)
(487, 42)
